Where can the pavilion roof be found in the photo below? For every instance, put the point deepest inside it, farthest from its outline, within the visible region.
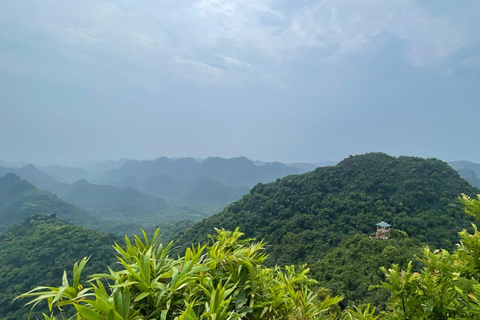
(383, 224)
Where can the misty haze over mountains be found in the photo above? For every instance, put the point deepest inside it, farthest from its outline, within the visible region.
(164, 189)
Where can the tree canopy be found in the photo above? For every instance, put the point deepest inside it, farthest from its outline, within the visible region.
(38, 251)
(322, 218)
(303, 217)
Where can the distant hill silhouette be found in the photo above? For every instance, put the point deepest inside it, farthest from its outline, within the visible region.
(312, 166)
(109, 201)
(32, 174)
(212, 191)
(97, 169)
(469, 171)
(65, 174)
(175, 179)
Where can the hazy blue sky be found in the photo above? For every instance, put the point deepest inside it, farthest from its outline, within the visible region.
(271, 80)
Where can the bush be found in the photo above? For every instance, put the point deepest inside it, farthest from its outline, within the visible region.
(223, 280)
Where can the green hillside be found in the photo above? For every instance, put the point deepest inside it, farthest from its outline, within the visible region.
(37, 252)
(227, 280)
(302, 217)
(20, 199)
(322, 217)
(352, 267)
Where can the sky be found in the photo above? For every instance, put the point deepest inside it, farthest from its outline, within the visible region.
(270, 80)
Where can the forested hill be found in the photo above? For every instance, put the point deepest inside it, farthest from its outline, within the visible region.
(37, 252)
(20, 199)
(304, 216)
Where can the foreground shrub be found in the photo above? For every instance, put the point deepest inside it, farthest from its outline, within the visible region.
(223, 280)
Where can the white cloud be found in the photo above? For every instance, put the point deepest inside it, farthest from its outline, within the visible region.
(224, 32)
(235, 62)
(80, 35)
(200, 66)
(351, 26)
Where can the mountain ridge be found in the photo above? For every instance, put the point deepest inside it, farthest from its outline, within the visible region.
(19, 199)
(318, 209)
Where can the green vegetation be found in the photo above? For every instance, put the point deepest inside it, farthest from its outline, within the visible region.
(19, 199)
(352, 267)
(223, 280)
(38, 251)
(323, 218)
(304, 217)
(447, 287)
(226, 280)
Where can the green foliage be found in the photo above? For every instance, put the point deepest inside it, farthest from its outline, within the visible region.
(227, 280)
(223, 280)
(305, 217)
(472, 206)
(448, 286)
(353, 266)
(38, 251)
(362, 314)
(20, 199)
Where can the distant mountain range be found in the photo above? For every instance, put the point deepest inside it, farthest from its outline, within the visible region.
(15, 164)
(174, 179)
(123, 189)
(177, 188)
(109, 201)
(65, 174)
(105, 208)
